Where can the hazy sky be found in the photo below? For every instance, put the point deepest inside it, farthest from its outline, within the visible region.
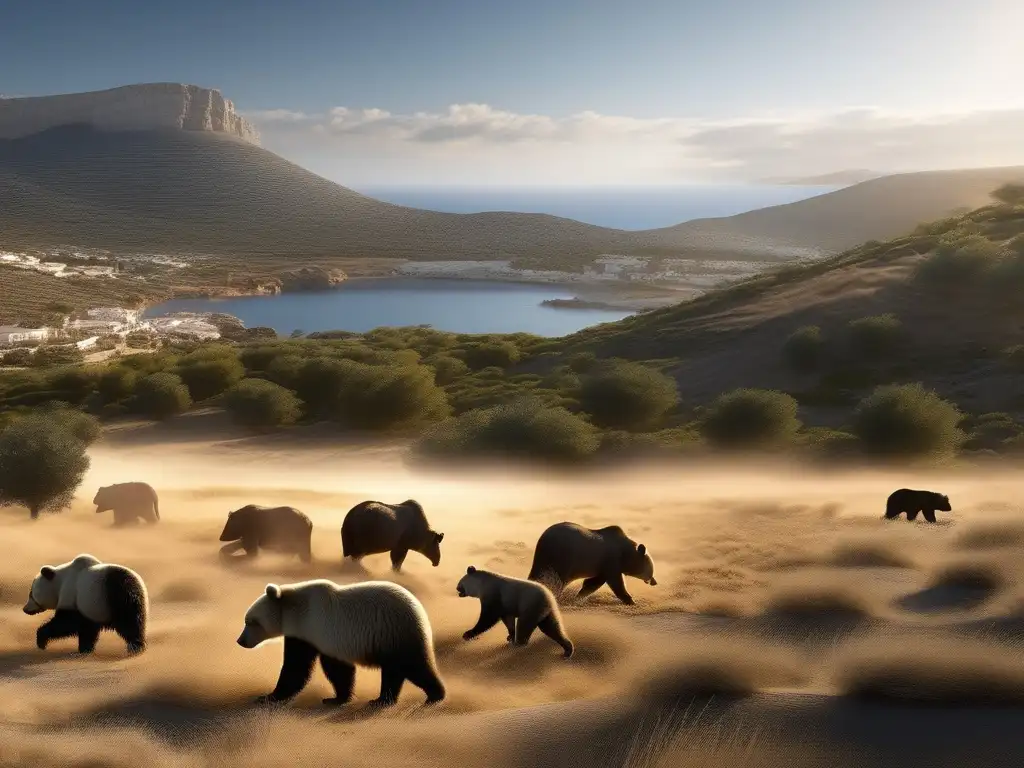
(563, 91)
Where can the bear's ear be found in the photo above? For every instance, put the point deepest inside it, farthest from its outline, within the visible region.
(439, 537)
(641, 550)
(48, 572)
(273, 591)
(471, 569)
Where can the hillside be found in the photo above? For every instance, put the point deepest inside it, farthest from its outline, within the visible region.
(878, 209)
(952, 335)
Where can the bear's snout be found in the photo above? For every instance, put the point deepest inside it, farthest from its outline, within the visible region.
(461, 590)
(652, 581)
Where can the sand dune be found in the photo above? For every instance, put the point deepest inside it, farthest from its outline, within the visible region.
(790, 624)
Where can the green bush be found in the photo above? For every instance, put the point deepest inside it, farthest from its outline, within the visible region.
(958, 263)
(628, 396)
(750, 419)
(78, 382)
(42, 463)
(875, 338)
(161, 395)
(116, 384)
(583, 362)
(46, 356)
(907, 421)
(804, 349)
(500, 354)
(1010, 194)
(262, 404)
(448, 369)
(524, 429)
(17, 357)
(391, 397)
(322, 381)
(210, 375)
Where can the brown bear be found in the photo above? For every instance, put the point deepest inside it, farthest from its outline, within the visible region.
(521, 605)
(913, 502)
(373, 527)
(567, 551)
(131, 502)
(276, 529)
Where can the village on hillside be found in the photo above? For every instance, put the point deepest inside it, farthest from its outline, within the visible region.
(106, 329)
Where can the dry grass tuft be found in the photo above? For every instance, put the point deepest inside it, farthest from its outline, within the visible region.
(938, 671)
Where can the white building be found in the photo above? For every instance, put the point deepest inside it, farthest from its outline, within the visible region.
(13, 334)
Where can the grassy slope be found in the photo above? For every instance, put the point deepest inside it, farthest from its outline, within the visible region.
(733, 338)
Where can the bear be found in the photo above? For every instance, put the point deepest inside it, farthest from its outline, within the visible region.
(376, 624)
(522, 605)
(913, 502)
(275, 529)
(88, 596)
(131, 502)
(372, 528)
(568, 551)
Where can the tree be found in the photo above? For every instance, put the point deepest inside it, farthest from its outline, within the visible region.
(41, 464)
(804, 348)
(161, 395)
(750, 418)
(907, 421)
(391, 397)
(628, 396)
(261, 404)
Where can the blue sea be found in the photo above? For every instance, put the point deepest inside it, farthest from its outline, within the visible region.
(617, 207)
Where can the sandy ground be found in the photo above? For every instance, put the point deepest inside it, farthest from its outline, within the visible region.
(779, 592)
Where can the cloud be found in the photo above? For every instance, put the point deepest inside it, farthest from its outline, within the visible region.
(468, 142)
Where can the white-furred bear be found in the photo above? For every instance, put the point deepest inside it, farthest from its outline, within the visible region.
(375, 624)
(522, 605)
(88, 596)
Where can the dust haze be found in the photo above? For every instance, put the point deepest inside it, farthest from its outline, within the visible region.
(790, 625)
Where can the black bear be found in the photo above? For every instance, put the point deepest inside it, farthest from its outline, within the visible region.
(913, 502)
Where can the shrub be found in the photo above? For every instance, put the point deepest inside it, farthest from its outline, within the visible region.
(116, 384)
(628, 396)
(501, 354)
(161, 395)
(583, 362)
(750, 418)
(321, 381)
(57, 355)
(907, 421)
(1010, 194)
(803, 350)
(42, 463)
(875, 338)
(262, 404)
(524, 429)
(209, 376)
(392, 397)
(448, 369)
(960, 262)
(17, 357)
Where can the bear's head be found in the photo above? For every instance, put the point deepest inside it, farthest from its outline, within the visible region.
(45, 589)
(641, 566)
(432, 547)
(944, 505)
(101, 499)
(234, 528)
(472, 584)
(263, 620)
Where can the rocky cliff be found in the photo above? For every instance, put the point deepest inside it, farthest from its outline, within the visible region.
(131, 107)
